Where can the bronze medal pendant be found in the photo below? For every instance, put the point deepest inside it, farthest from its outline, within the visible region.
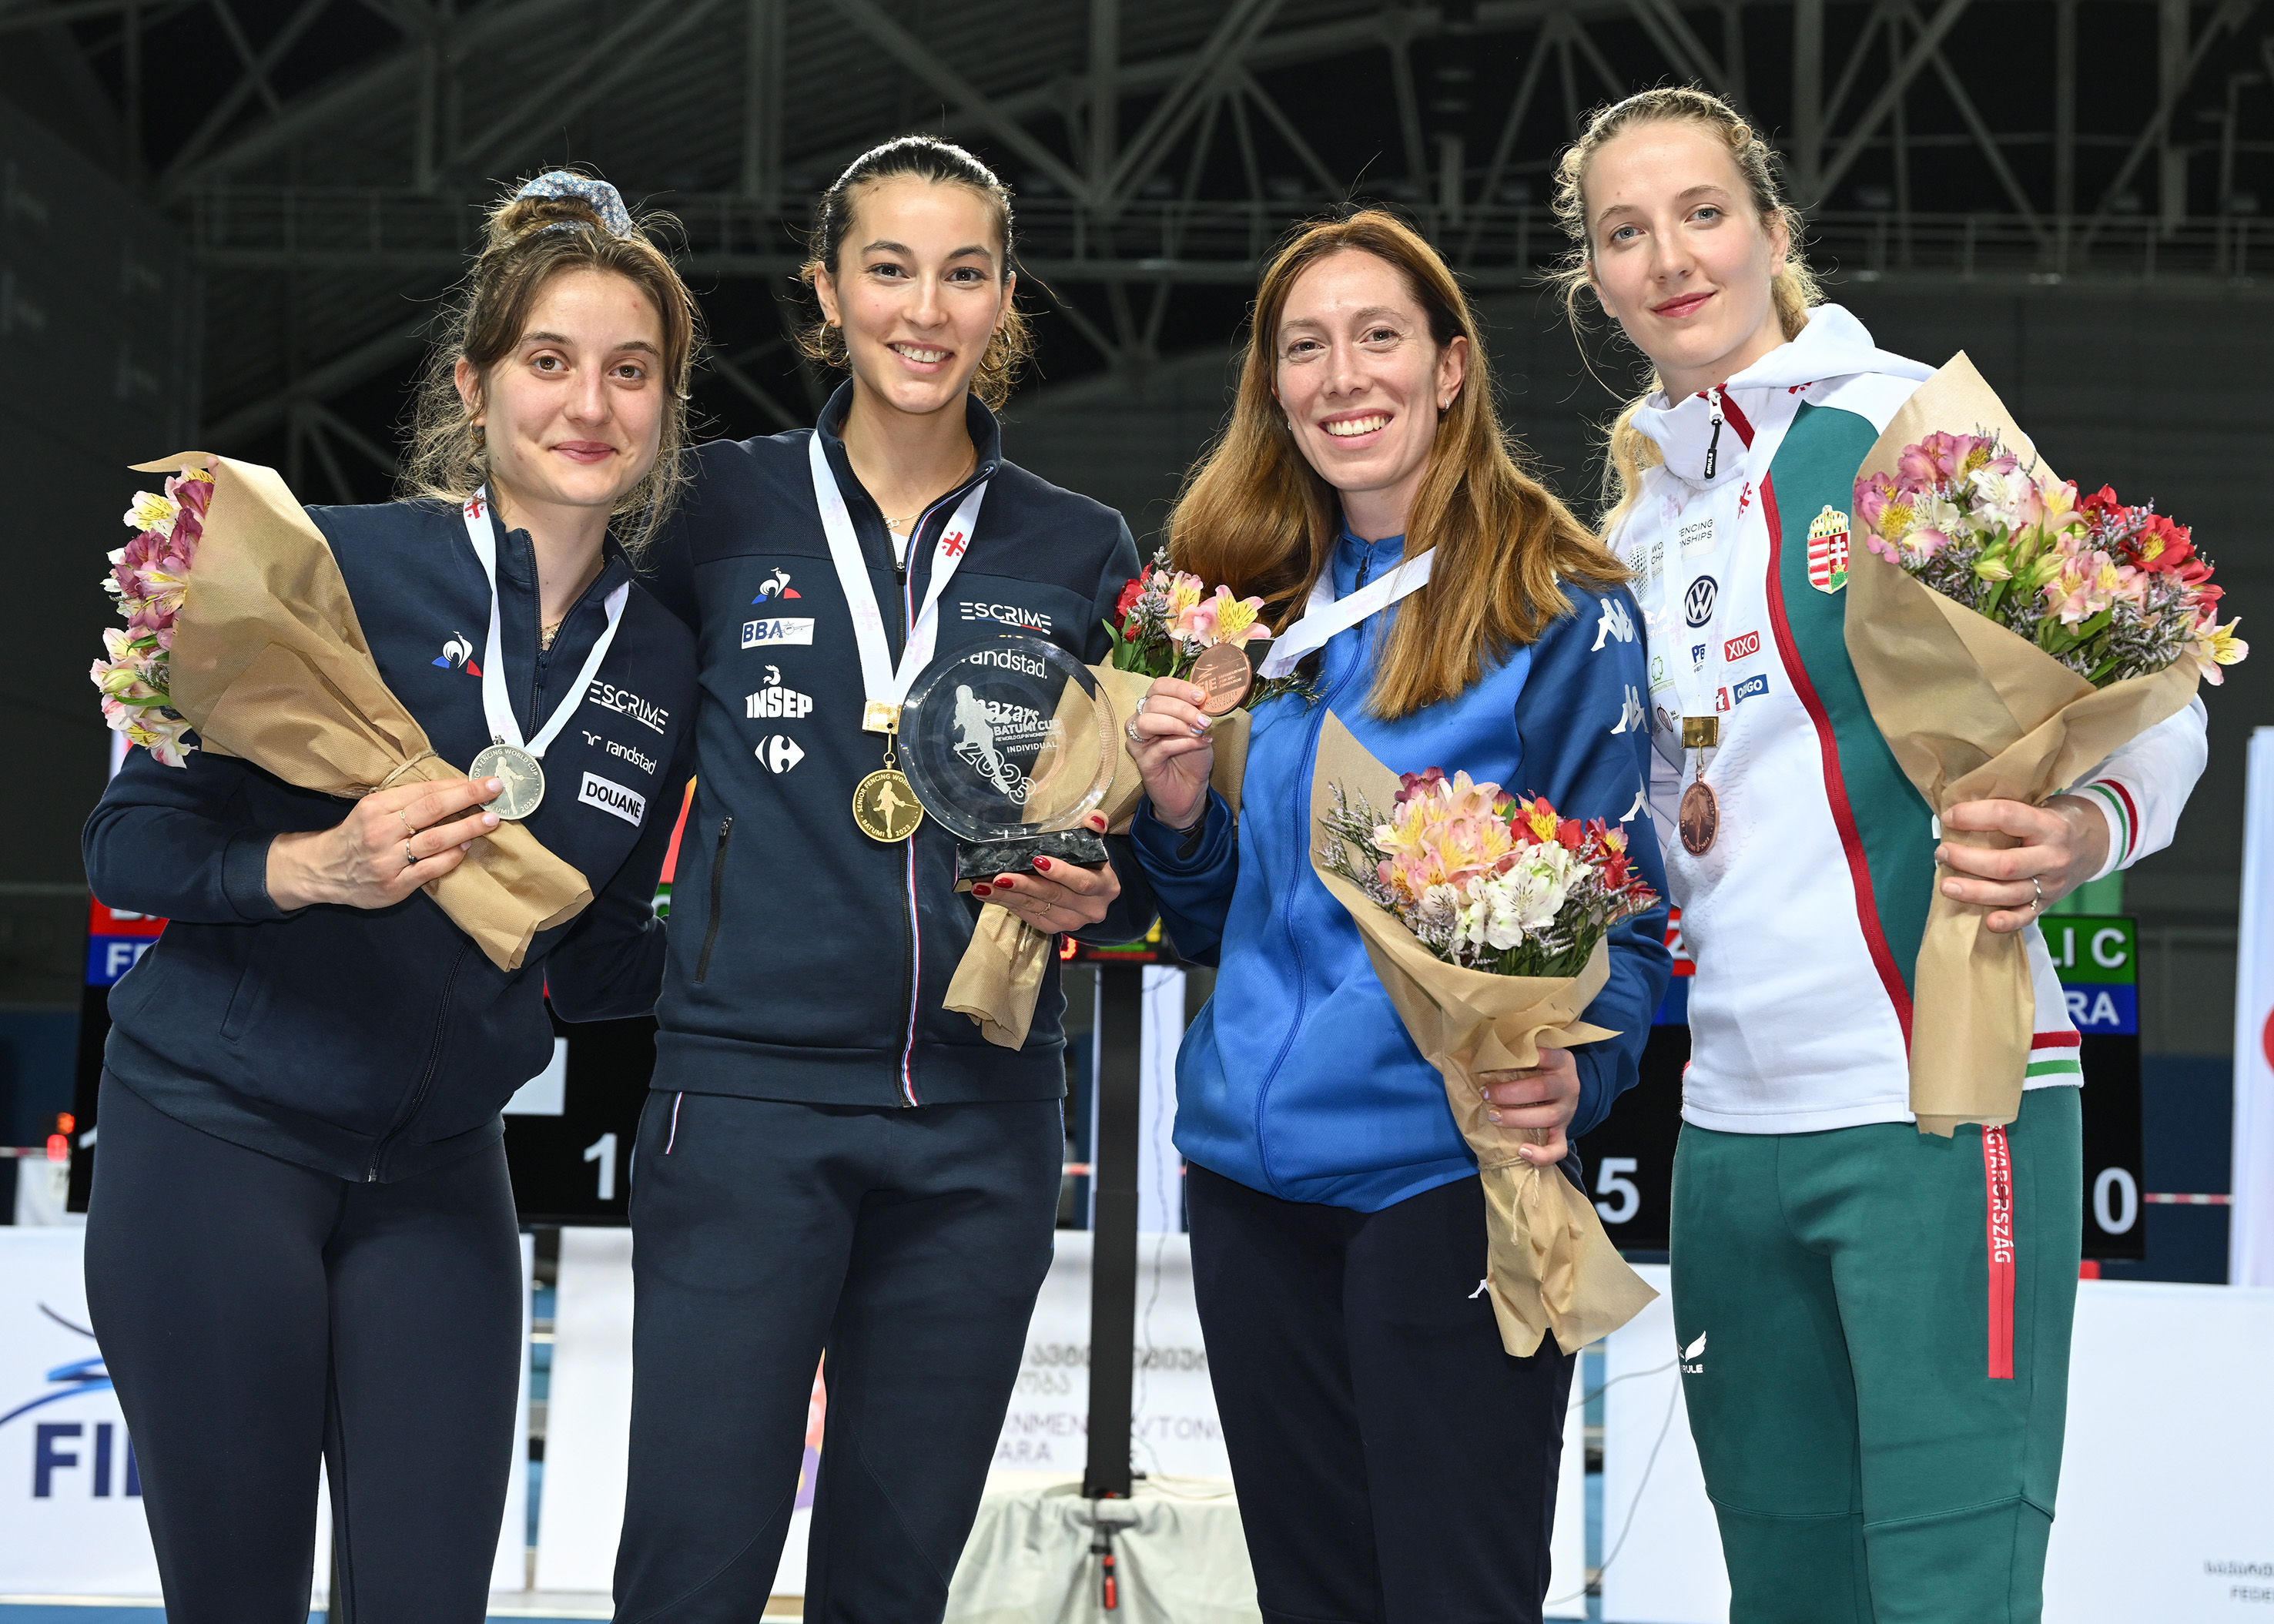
(885, 808)
(1700, 818)
(1223, 671)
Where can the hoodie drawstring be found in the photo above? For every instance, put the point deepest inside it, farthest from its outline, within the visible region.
(1713, 445)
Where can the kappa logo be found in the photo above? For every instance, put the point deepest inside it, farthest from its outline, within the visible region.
(1752, 686)
(1631, 713)
(1743, 646)
(1698, 602)
(611, 798)
(623, 701)
(1006, 614)
(763, 634)
(1617, 622)
(1641, 805)
(778, 587)
(1693, 1357)
(459, 652)
(779, 753)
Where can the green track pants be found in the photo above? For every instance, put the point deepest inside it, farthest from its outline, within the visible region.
(1875, 1325)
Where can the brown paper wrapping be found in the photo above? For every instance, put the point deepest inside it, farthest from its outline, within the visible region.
(269, 663)
(1974, 712)
(1551, 1267)
(1000, 974)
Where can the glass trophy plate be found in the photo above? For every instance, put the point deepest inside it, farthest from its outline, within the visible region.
(1008, 741)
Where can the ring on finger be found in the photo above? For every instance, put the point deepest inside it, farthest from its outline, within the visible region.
(1131, 730)
(2038, 895)
(409, 860)
(408, 831)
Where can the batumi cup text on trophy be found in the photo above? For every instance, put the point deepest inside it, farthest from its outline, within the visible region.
(1007, 740)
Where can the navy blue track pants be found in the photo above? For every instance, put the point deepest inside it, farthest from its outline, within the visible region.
(910, 1243)
(257, 1316)
(1394, 1464)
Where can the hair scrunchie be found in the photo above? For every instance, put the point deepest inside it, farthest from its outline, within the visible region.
(607, 201)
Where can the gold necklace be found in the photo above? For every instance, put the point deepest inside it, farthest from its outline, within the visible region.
(901, 525)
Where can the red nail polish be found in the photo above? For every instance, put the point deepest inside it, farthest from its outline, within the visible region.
(982, 891)
(1043, 863)
(1004, 883)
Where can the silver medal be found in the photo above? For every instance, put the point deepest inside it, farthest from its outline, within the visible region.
(518, 773)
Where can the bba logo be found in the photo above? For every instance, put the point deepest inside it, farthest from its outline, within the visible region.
(761, 634)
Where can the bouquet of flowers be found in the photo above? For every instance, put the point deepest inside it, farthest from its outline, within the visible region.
(240, 627)
(1485, 914)
(2110, 592)
(1165, 620)
(148, 578)
(2008, 636)
(1484, 880)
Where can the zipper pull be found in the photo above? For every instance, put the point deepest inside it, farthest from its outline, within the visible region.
(1365, 567)
(1713, 445)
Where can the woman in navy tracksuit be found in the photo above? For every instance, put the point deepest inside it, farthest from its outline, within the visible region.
(1394, 1463)
(301, 1242)
(830, 1158)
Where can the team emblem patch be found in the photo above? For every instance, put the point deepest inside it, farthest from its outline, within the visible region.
(1828, 550)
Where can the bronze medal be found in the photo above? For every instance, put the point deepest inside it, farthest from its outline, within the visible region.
(1700, 818)
(885, 808)
(1223, 671)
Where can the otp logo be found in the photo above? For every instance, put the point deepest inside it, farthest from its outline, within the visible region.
(1743, 647)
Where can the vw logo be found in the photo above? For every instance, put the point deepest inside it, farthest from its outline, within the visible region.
(1698, 602)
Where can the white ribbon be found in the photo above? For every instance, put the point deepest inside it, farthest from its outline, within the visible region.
(881, 683)
(1326, 614)
(495, 707)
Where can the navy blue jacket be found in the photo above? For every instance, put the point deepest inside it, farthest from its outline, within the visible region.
(1299, 1078)
(377, 1043)
(807, 961)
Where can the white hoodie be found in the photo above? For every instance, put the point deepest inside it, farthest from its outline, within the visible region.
(1803, 916)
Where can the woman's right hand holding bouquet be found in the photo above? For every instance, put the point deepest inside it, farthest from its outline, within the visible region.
(391, 843)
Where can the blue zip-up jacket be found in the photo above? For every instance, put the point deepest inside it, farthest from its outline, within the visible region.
(809, 962)
(377, 1043)
(1299, 1078)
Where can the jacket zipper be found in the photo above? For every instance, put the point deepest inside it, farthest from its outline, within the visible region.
(1287, 904)
(1713, 445)
(409, 1113)
(718, 887)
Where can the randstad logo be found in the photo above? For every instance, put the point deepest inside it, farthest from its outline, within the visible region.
(778, 587)
(1693, 1357)
(459, 652)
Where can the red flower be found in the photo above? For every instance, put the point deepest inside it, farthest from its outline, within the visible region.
(1571, 834)
(2100, 503)
(1127, 601)
(2161, 546)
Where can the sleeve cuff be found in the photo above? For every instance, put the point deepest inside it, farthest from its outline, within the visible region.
(2114, 804)
(1182, 851)
(244, 875)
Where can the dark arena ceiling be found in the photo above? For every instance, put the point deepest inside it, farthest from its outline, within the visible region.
(325, 160)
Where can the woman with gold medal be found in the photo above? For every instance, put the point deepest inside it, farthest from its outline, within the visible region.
(1875, 1320)
(829, 1160)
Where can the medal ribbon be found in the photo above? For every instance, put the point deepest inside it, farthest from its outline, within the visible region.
(504, 728)
(881, 681)
(1693, 683)
(1325, 614)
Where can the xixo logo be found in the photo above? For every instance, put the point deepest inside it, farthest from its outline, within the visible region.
(1743, 647)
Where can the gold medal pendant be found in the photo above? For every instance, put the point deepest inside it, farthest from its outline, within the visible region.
(885, 808)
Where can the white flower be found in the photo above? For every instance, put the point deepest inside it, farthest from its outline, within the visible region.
(152, 511)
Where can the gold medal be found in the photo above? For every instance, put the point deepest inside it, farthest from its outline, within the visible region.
(885, 808)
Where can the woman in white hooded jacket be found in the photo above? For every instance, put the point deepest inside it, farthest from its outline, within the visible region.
(1874, 1323)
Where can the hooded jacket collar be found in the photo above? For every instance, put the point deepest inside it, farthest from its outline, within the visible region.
(986, 434)
(1833, 344)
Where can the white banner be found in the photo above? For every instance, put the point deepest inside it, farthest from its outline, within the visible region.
(2250, 1243)
(70, 1488)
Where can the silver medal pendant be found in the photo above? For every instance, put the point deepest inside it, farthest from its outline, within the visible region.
(520, 774)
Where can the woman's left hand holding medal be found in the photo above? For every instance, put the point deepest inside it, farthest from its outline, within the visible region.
(1056, 896)
(390, 844)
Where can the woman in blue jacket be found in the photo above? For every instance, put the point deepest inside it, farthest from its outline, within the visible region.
(301, 1242)
(1394, 1463)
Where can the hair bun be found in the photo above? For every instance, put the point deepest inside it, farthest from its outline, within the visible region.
(561, 198)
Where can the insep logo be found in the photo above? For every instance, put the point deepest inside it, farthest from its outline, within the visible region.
(1742, 647)
(1751, 688)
